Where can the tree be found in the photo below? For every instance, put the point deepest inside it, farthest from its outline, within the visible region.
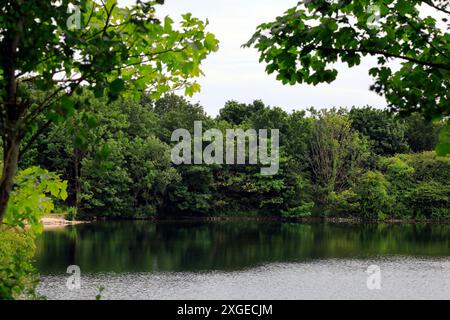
(101, 46)
(175, 112)
(303, 46)
(336, 153)
(192, 195)
(129, 179)
(237, 113)
(385, 132)
(372, 195)
(422, 135)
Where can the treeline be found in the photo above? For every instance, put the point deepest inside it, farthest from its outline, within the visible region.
(364, 163)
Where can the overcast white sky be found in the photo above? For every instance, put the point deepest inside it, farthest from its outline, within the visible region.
(234, 73)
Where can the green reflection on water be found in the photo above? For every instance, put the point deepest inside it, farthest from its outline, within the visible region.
(193, 246)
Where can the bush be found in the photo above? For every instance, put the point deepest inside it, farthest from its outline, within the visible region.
(372, 195)
(31, 198)
(440, 214)
(431, 200)
(18, 278)
(401, 179)
(303, 211)
(397, 170)
(71, 214)
(429, 167)
(343, 203)
(420, 184)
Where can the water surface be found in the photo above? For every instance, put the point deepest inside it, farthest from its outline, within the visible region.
(245, 260)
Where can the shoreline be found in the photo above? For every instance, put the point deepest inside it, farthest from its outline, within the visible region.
(335, 220)
(57, 221)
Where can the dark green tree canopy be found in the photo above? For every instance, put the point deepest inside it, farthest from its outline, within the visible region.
(237, 113)
(420, 134)
(386, 133)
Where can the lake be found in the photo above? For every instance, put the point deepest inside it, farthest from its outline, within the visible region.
(246, 260)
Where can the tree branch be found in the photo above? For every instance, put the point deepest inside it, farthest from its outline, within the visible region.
(431, 4)
(34, 138)
(389, 54)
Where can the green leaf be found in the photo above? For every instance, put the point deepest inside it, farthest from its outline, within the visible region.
(68, 106)
(405, 6)
(117, 86)
(98, 91)
(211, 42)
(443, 149)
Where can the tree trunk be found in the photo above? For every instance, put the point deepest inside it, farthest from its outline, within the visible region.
(10, 110)
(11, 159)
(77, 179)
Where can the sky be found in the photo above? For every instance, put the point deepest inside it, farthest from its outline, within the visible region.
(234, 73)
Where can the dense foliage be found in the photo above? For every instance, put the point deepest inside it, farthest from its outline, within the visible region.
(414, 186)
(17, 275)
(337, 162)
(33, 196)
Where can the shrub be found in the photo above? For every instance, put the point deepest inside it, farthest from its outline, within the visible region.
(424, 191)
(372, 195)
(302, 211)
(31, 198)
(343, 204)
(397, 170)
(431, 200)
(401, 180)
(71, 214)
(440, 213)
(429, 167)
(18, 278)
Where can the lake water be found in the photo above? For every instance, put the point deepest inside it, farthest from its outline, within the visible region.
(245, 260)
